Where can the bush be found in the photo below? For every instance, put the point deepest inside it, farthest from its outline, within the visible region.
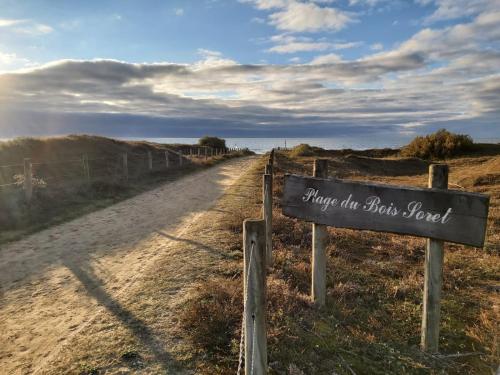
(439, 145)
(213, 142)
(304, 150)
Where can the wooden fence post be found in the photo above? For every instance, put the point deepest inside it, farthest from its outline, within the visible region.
(150, 161)
(206, 153)
(28, 180)
(166, 159)
(319, 237)
(86, 168)
(254, 292)
(433, 273)
(180, 159)
(267, 200)
(125, 166)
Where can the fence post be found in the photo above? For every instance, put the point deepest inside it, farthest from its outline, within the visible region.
(180, 159)
(150, 161)
(206, 153)
(254, 276)
(433, 273)
(125, 166)
(86, 168)
(166, 159)
(319, 237)
(28, 180)
(267, 199)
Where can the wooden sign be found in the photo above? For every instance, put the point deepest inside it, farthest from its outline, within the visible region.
(448, 215)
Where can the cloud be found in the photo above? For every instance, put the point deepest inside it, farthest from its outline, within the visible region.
(179, 11)
(447, 75)
(377, 47)
(286, 43)
(10, 22)
(453, 9)
(25, 26)
(298, 16)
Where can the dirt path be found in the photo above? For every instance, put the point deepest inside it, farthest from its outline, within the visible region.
(49, 292)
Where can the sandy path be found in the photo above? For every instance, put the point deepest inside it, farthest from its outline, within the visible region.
(44, 302)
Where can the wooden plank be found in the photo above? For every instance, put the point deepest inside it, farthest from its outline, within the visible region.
(433, 273)
(448, 215)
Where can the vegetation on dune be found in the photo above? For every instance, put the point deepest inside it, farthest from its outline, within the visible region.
(60, 188)
(439, 145)
(371, 322)
(305, 150)
(213, 142)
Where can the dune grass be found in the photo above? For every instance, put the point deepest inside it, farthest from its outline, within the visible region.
(371, 322)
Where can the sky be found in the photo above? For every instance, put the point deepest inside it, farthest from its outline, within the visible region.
(250, 68)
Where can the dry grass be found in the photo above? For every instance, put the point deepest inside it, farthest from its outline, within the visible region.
(63, 193)
(371, 323)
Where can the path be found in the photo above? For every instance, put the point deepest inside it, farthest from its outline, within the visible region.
(45, 300)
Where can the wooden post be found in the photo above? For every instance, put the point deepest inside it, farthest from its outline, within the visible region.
(319, 237)
(433, 272)
(206, 153)
(199, 152)
(180, 159)
(166, 159)
(125, 166)
(86, 168)
(267, 200)
(150, 161)
(28, 180)
(254, 292)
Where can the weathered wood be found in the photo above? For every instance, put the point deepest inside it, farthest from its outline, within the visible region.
(254, 276)
(180, 159)
(433, 273)
(319, 237)
(448, 215)
(267, 206)
(166, 159)
(28, 180)
(86, 168)
(150, 161)
(125, 166)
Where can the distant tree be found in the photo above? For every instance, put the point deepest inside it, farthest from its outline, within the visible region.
(439, 145)
(213, 142)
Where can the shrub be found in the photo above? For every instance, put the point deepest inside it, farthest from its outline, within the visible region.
(213, 142)
(304, 150)
(441, 144)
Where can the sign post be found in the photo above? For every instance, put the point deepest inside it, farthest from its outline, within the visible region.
(435, 212)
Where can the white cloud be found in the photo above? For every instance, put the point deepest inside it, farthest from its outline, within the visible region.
(347, 45)
(10, 22)
(301, 17)
(326, 59)
(377, 47)
(452, 9)
(179, 11)
(294, 47)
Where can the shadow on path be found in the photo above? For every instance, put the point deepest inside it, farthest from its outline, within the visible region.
(138, 327)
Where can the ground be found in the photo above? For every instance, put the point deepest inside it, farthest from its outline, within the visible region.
(84, 280)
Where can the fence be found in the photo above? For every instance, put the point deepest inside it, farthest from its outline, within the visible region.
(72, 170)
(454, 216)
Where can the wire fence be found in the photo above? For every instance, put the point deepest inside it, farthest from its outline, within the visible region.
(65, 170)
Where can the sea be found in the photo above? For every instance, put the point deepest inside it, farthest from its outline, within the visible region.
(262, 145)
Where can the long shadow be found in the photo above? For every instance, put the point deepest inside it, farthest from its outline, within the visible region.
(194, 243)
(138, 327)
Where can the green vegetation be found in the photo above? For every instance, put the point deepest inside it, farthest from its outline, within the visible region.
(439, 145)
(213, 142)
(305, 150)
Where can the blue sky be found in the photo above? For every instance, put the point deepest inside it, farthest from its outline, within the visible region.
(250, 67)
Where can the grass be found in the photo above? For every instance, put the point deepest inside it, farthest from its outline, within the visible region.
(63, 194)
(371, 322)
